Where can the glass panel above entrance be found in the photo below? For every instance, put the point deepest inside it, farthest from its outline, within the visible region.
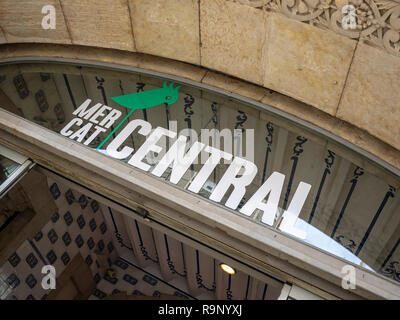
(12, 167)
(7, 167)
(255, 163)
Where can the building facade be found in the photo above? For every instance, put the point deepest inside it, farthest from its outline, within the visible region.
(199, 150)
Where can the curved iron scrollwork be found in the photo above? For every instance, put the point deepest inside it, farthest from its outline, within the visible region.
(228, 290)
(188, 109)
(171, 267)
(200, 284)
(240, 120)
(389, 268)
(143, 249)
(145, 254)
(389, 194)
(121, 241)
(214, 110)
(329, 160)
(350, 245)
(199, 278)
(170, 263)
(358, 172)
(167, 114)
(100, 82)
(268, 138)
(116, 232)
(298, 147)
(392, 270)
(297, 150)
(139, 88)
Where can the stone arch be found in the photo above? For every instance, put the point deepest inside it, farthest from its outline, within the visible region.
(325, 77)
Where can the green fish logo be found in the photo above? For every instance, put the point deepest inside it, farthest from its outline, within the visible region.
(144, 100)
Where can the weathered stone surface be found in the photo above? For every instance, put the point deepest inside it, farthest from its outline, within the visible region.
(176, 68)
(367, 142)
(234, 85)
(327, 15)
(167, 28)
(2, 37)
(232, 39)
(371, 98)
(103, 23)
(307, 63)
(21, 21)
(70, 52)
(299, 109)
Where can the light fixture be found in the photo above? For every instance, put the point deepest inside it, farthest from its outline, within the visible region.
(227, 269)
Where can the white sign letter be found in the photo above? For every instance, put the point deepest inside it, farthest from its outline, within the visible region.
(208, 167)
(65, 131)
(81, 112)
(49, 280)
(181, 161)
(112, 148)
(239, 183)
(149, 145)
(49, 21)
(272, 186)
(290, 215)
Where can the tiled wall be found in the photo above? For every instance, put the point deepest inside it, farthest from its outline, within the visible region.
(134, 281)
(78, 226)
(144, 262)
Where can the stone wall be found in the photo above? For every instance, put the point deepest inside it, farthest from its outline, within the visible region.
(337, 81)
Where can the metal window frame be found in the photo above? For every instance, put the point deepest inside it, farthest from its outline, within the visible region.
(17, 175)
